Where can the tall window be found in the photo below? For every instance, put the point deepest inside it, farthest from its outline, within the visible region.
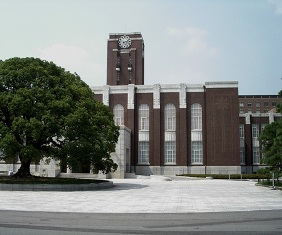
(196, 134)
(262, 126)
(170, 134)
(143, 152)
(170, 117)
(197, 152)
(170, 152)
(143, 144)
(196, 117)
(143, 117)
(256, 152)
(242, 144)
(255, 130)
(118, 111)
(256, 158)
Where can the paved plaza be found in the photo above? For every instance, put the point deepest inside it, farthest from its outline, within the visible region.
(181, 195)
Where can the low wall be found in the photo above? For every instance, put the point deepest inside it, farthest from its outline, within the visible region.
(56, 187)
(178, 170)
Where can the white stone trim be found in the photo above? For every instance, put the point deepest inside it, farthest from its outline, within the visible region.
(248, 118)
(271, 117)
(106, 95)
(196, 136)
(164, 88)
(195, 88)
(118, 89)
(97, 90)
(156, 97)
(170, 136)
(130, 96)
(144, 89)
(144, 136)
(182, 96)
(225, 84)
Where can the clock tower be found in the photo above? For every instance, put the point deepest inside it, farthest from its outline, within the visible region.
(125, 62)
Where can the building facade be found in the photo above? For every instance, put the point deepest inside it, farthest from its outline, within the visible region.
(168, 129)
(174, 129)
(256, 111)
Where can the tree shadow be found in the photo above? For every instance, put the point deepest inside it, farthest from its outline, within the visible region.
(127, 186)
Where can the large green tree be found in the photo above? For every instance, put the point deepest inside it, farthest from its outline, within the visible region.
(271, 141)
(47, 112)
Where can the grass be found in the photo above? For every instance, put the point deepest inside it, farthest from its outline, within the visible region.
(46, 180)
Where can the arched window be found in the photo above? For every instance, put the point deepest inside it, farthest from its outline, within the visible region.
(144, 135)
(118, 111)
(170, 120)
(170, 135)
(196, 134)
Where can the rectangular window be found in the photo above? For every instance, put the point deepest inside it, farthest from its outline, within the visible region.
(170, 123)
(118, 121)
(241, 104)
(249, 103)
(170, 152)
(196, 123)
(143, 152)
(255, 135)
(242, 155)
(262, 126)
(242, 143)
(256, 159)
(255, 130)
(265, 103)
(273, 104)
(257, 104)
(144, 123)
(197, 152)
(241, 129)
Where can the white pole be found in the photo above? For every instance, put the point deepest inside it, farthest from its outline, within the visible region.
(273, 186)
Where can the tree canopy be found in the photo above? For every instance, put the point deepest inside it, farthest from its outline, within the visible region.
(271, 142)
(48, 112)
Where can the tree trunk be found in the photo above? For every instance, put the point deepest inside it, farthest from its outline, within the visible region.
(24, 170)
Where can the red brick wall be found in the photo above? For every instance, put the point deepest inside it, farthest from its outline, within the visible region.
(136, 54)
(222, 128)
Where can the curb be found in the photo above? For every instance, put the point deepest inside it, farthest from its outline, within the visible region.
(56, 187)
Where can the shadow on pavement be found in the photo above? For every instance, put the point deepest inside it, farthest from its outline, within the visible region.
(127, 186)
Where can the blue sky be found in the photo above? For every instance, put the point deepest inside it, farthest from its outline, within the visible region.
(186, 41)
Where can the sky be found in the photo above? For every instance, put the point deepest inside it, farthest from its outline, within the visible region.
(186, 41)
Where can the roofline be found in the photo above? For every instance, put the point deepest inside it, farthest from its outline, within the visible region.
(259, 96)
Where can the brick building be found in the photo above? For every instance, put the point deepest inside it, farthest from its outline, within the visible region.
(168, 129)
(256, 111)
(181, 128)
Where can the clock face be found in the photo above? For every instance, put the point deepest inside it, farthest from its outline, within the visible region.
(124, 41)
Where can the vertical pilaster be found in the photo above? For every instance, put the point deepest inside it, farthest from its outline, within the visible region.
(271, 117)
(106, 95)
(181, 141)
(132, 122)
(248, 140)
(156, 129)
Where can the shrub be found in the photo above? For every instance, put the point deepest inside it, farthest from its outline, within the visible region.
(231, 176)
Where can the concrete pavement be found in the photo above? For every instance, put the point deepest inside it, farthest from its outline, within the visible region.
(181, 195)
